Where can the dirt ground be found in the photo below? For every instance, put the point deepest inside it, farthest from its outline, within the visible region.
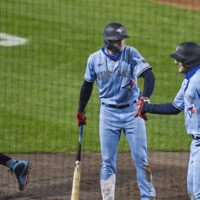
(51, 177)
(188, 4)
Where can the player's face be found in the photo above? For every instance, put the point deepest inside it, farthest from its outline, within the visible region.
(180, 66)
(119, 44)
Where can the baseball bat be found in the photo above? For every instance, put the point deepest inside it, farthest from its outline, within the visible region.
(77, 169)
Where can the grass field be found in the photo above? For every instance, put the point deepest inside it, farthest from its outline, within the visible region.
(40, 81)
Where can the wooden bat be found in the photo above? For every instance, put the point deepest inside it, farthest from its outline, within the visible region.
(77, 169)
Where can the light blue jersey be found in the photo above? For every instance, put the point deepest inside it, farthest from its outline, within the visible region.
(116, 81)
(188, 99)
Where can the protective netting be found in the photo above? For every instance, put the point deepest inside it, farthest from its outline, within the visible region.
(44, 47)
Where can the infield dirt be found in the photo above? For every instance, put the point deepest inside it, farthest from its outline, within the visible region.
(51, 177)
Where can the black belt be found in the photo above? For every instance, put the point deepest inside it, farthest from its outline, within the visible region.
(195, 137)
(117, 106)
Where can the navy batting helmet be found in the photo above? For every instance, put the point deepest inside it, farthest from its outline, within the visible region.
(115, 31)
(188, 53)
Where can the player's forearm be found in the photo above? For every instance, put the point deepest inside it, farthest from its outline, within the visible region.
(164, 109)
(149, 82)
(85, 93)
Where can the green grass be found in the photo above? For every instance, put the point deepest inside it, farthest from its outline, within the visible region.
(40, 81)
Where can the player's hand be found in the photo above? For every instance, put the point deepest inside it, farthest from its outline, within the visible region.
(80, 118)
(140, 104)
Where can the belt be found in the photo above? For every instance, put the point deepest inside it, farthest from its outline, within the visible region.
(195, 137)
(117, 106)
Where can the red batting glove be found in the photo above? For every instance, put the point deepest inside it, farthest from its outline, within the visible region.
(139, 113)
(80, 118)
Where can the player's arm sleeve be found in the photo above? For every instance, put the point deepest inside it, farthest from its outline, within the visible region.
(87, 86)
(163, 109)
(85, 93)
(167, 108)
(143, 69)
(149, 82)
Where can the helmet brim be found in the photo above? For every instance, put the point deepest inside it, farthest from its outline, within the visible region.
(126, 36)
(118, 37)
(176, 56)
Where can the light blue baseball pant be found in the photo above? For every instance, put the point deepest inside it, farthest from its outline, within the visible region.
(193, 176)
(112, 122)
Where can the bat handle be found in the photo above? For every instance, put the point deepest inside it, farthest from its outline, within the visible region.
(80, 133)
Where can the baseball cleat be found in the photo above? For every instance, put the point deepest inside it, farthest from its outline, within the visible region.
(21, 169)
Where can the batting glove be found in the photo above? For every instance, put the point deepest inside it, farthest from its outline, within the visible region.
(80, 118)
(140, 104)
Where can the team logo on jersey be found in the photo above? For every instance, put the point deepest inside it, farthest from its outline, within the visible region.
(103, 75)
(123, 73)
(129, 85)
(191, 110)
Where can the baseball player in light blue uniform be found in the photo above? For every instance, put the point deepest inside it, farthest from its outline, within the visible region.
(116, 68)
(188, 100)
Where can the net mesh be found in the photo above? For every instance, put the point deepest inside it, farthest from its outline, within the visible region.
(44, 47)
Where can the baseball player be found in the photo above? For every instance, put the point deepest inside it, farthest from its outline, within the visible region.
(115, 68)
(19, 167)
(187, 59)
